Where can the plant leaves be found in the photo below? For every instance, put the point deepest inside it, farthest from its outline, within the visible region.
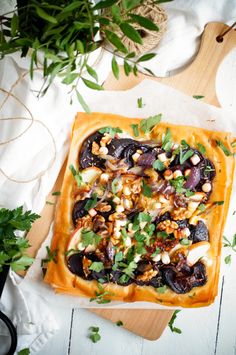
(146, 57)
(127, 68)
(115, 40)
(115, 10)
(43, 14)
(115, 68)
(14, 25)
(70, 78)
(92, 72)
(130, 4)
(144, 22)
(104, 4)
(131, 33)
(92, 85)
(82, 102)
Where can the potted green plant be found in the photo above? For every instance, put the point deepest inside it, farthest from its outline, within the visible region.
(65, 32)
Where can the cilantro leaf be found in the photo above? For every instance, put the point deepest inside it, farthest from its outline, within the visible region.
(147, 124)
(118, 256)
(161, 289)
(184, 143)
(146, 189)
(119, 323)
(140, 102)
(178, 184)
(88, 237)
(156, 252)
(201, 148)
(166, 141)
(228, 259)
(94, 335)
(25, 351)
(144, 217)
(96, 266)
(77, 175)
(201, 207)
(91, 203)
(111, 130)
(185, 156)
(158, 165)
(171, 323)
(184, 241)
(135, 129)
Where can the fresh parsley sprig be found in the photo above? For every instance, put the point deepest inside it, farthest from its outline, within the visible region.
(171, 323)
(231, 245)
(100, 294)
(94, 335)
(77, 175)
(12, 246)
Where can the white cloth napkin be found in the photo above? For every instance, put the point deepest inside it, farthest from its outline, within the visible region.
(24, 158)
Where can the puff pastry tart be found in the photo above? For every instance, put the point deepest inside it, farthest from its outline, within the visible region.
(142, 211)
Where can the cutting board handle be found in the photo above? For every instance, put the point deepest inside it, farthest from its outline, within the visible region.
(199, 77)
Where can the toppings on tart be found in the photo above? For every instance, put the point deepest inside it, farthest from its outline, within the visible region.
(138, 211)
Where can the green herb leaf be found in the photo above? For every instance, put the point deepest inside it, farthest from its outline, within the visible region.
(184, 241)
(88, 237)
(189, 193)
(156, 252)
(223, 148)
(147, 124)
(233, 144)
(96, 266)
(90, 84)
(131, 32)
(146, 57)
(115, 185)
(162, 234)
(144, 22)
(119, 323)
(198, 97)
(201, 148)
(43, 14)
(115, 67)
(111, 130)
(56, 193)
(219, 203)
(166, 141)
(130, 269)
(135, 129)
(51, 255)
(25, 351)
(82, 102)
(91, 203)
(161, 289)
(228, 259)
(77, 175)
(171, 323)
(178, 184)
(144, 217)
(158, 165)
(201, 207)
(95, 337)
(184, 143)
(185, 156)
(146, 189)
(140, 102)
(115, 40)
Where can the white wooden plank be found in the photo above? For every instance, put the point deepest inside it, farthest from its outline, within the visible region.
(226, 342)
(58, 344)
(114, 339)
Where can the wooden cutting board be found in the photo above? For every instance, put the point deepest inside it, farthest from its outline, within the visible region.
(197, 79)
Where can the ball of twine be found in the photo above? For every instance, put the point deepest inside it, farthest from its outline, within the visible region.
(150, 38)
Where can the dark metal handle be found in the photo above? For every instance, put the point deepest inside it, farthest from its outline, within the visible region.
(12, 331)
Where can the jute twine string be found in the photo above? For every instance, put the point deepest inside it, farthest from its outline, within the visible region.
(150, 39)
(32, 120)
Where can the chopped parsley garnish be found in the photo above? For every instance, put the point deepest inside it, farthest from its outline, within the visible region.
(156, 252)
(140, 102)
(184, 241)
(25, 351)
(135, 129)
(184, 143)
(201, 148)
(144, 217)
(115, 185)
(146, 125)
(146, 189)
(161, 289)
(100, 294)
(124, 278)
(111, 130)
(158, 165)
(198, 97)
(119, 323)
(219, 203)
(140, 249)
(94, 336)
(129, 269)
(12, 246)
(223, 148)
(139, 236)
(228, 259)
(228, 244)
(118, 256)
(201, 207)
(96, 266)
(91, 203)
(189, 193)
(178, 184)
(88, 237)
(208, 169)
(166, 140)
(162, 234)
(171, 323)
(185, 156)
(56, 193)
(77, 175)
(51, 256)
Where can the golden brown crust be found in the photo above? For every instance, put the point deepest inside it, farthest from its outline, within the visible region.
(59, 276)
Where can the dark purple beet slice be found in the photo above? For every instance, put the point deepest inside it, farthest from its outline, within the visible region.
(86, 158)
(199, 232)
(75, 264)
(79, 210)
(117, 146)
(146, 159)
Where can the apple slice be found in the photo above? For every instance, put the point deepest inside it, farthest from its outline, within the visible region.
(75, 240)
(197, 251)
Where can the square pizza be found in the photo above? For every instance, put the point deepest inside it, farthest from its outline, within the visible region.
(142, 211)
